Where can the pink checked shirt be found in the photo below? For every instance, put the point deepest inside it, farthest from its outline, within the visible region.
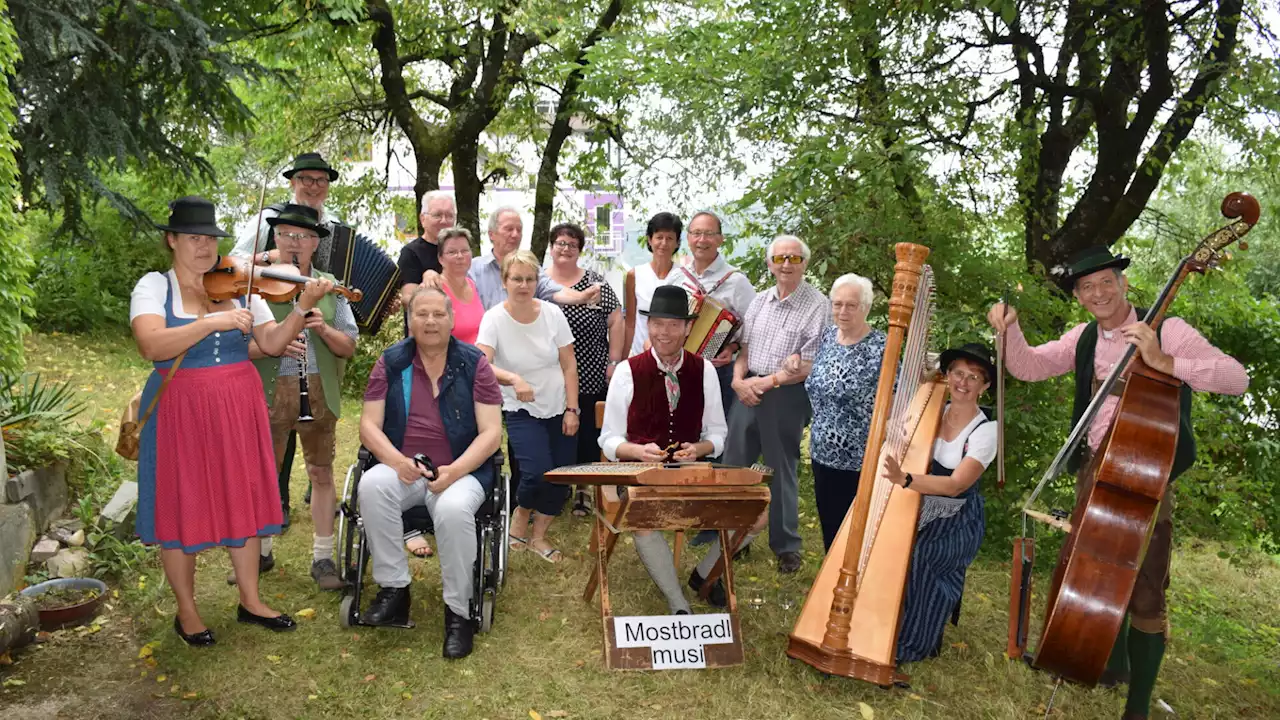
(1200, 365)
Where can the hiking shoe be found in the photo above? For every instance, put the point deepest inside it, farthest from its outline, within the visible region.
(325, 573)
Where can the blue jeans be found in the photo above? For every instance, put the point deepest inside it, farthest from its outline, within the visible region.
(539, 445)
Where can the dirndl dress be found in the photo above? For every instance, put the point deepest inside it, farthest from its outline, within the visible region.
(206, 468)
(944, 549)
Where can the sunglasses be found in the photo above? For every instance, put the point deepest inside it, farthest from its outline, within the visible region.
(787, 259)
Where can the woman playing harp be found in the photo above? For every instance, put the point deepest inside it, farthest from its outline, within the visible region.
(952, 518)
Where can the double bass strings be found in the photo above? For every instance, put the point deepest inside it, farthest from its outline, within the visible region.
(901, 426)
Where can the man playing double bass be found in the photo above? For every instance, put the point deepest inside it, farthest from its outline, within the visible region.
(1096, 278)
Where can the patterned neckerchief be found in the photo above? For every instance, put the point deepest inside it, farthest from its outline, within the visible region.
(670, 380)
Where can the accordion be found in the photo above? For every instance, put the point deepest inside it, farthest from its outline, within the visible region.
(359, 262)
(712, 329)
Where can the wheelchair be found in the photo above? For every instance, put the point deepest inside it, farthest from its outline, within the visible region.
(492, 519)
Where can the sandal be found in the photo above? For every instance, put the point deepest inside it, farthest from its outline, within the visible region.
(516, 543)
(551, 554)
(419, 547)
(580, 506)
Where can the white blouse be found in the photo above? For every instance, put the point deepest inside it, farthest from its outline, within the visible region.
(149, 295)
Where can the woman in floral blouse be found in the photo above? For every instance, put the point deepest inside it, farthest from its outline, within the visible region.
(842, 390)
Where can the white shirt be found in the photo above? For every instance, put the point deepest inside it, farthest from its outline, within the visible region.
(258, 239)
(981, 441)
(646, 282)
(622, 388)
(531, 351)
(149, 295)
(736, 293)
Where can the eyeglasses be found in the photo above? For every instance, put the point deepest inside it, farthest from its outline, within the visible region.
(456, 253)
(309, 181)
(699, 234)
(787, 259)
(961, 376)
(564, 244)
(837, 305)
(443, 216)
(298, 236)
(529, 280)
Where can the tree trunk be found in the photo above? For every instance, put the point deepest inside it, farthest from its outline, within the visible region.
(467, 187)
(19, 622)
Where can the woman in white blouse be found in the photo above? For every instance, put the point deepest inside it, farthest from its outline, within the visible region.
(206, 469)
(530, 346)
(662, 237)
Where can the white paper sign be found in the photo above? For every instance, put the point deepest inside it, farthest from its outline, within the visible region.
(676, 640)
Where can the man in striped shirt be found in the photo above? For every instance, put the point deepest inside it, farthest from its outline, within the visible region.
(771, 407)
(1091, 350)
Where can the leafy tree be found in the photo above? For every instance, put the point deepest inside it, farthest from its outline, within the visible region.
(15, 292)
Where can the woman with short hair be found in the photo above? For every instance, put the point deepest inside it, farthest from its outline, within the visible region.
(952, 514)
(454, 246)
(662, 238)
(842, 391)
(597, 338)
(206, 468)
(530, 346)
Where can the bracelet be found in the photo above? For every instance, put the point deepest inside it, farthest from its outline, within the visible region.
(575, 411)
(614, 363)
(907, 484)
(774, 378)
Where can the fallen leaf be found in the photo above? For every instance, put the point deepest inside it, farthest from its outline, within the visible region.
(1210, 681)
(533, 715)
(579, 663)
(306, 613)
(960, 645)
(146, 650)
(160, 678)
(542, 616)
(14, 682)
(190, 696)
(398, 684)
(313, 697)
(344, 655)
(914, 696)
(406, 695)
(274, 658)
(557, 714)
(865, 711)
(5, 659)
(370, 677)
(656, 707)
(279, 596)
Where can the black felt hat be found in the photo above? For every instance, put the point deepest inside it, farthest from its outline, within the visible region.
(669, 301)
(975, 352)
(192, 215)
(299, 216)
(310, 161)
(1088, 261)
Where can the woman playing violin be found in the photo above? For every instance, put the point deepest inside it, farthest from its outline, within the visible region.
(206, 473)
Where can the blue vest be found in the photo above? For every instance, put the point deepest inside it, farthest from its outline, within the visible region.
(457, 405)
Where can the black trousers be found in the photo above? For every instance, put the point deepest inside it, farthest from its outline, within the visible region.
(834, 491)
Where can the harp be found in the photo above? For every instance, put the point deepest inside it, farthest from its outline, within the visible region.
(849, 623)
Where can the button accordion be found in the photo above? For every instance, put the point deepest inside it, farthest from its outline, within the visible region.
(712, 329)
(359, 262)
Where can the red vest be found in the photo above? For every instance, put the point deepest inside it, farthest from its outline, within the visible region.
(648, 419)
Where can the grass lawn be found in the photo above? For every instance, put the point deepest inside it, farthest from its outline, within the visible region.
(543, 658)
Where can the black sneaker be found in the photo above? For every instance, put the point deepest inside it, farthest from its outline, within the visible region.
(789, 562)
(389, 607)
(717, 597)
(325, 573)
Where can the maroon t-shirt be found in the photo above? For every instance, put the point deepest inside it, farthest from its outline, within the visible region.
(424, 433)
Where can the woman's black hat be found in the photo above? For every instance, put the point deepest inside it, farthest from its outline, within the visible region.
(1088, 261)
(192, 215)
(669, 301)
(975, 352)
(299, 216)
(310, 161)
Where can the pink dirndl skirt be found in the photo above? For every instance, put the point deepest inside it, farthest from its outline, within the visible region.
(214, 476)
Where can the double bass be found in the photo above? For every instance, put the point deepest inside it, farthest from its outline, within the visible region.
(1108, 531)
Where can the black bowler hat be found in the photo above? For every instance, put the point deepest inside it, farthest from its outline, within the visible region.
(1088, 261)
(310, 161)
(975, 352)
(192, 215)
(299, 216)
(669, 301)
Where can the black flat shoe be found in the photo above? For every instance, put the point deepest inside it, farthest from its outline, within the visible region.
(200, 639)
(458, 635)
(390, 607)
(717, 597)
(279, 623)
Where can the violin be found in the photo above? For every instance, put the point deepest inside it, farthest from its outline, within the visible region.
(230, 278)
(1100, 560)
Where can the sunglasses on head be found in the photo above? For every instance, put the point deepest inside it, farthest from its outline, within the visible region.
(785, 259)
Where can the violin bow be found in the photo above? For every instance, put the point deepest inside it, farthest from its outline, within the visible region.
(257, 236)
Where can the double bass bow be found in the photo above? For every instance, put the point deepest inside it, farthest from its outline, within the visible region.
(1098, 567)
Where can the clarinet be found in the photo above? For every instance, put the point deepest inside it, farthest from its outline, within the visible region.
(304, 397)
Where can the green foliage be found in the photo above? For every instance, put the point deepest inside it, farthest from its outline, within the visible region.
(15, 290)
(26, 397)
(93, 480)
(368, 350)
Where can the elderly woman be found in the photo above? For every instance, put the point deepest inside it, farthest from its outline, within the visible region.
(842, 390)
(952, 518)
(530, 346)
(597, 337)
(206, 468)
(662, 237)
(454, 244)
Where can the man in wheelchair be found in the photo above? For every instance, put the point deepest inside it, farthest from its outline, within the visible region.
(417, 383)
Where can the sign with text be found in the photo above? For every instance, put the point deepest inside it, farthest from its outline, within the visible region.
(676, 640)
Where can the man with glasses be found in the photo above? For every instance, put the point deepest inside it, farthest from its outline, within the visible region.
(422, 253)
(309, 180)
(771, 407)
(321, 352)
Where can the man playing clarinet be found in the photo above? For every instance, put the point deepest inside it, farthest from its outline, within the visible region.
(315, 361)
(1096, 278)
(664, 404)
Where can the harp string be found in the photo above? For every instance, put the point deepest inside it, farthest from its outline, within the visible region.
(901, 426)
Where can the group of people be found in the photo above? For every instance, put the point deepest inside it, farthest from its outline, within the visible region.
(500, 341)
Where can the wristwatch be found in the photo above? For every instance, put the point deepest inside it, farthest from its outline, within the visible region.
(265, 257)
(774, 378)
(907, 482)
(575, 411)
(614, 363)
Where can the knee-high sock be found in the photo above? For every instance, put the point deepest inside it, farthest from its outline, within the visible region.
(656, 556)
(1118, 663)
(713, 554)
(1146, 650)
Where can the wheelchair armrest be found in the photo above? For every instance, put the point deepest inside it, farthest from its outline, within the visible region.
(497, 459)
(366, 459)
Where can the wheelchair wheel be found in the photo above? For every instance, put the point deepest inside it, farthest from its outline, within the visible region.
(347, 611)
(500, 538)
(340, 531)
